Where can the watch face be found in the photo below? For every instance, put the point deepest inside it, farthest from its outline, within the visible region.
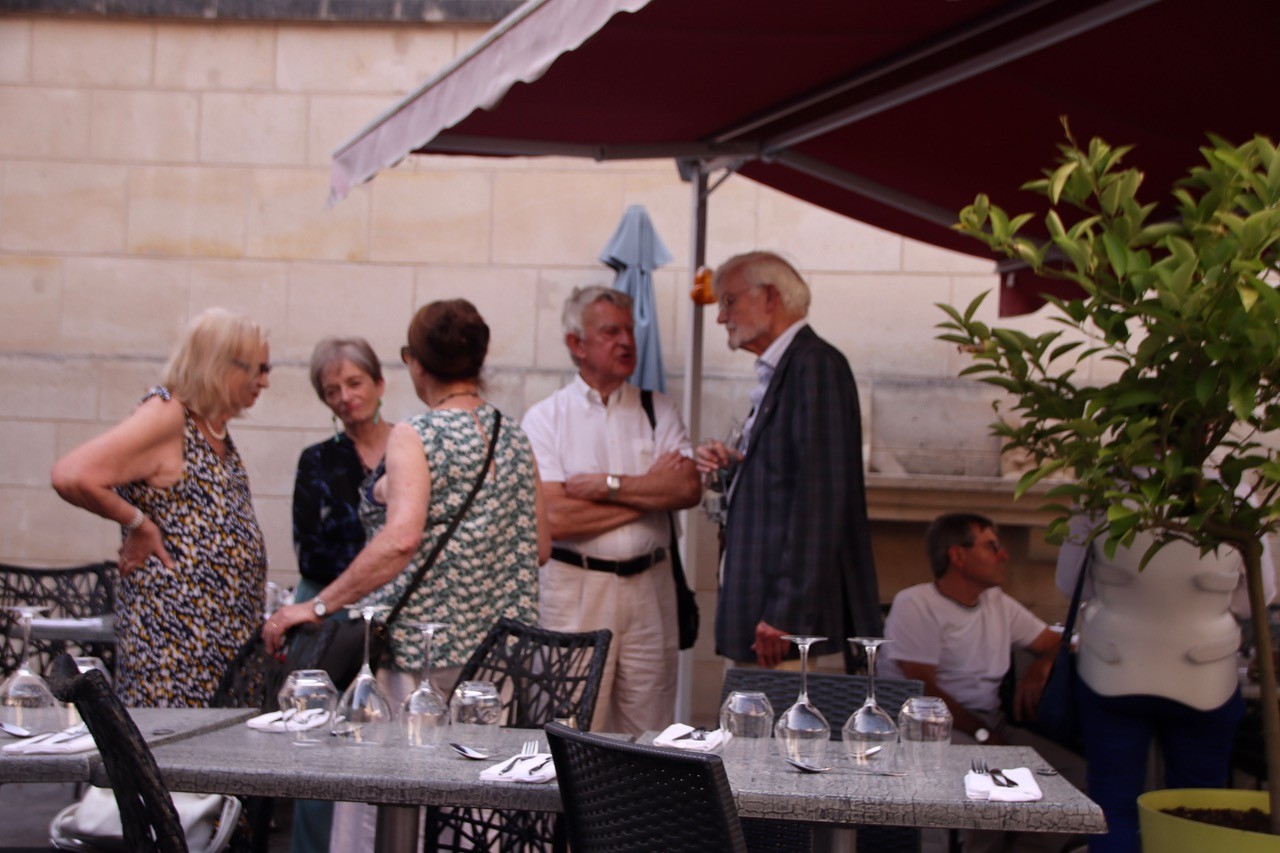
(982, 735)
(319, 607)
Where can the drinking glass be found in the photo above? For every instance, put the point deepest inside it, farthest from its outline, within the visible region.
(925, 726)
(305, 694)
(802, 732)
(25, 698)
(716, 500)
(364, 714)
(475, 712)
(425, 711)
(748, 716)
(870, 735)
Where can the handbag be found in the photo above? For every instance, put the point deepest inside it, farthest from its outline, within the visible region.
(1056, 712)
(343, 646)
(687, 617)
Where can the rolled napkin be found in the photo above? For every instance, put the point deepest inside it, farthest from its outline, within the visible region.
(275, 721)
(529, 768)
(982, 787)
(74, 739)
(680, 736)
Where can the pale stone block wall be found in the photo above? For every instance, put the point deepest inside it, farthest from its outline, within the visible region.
(151, 169)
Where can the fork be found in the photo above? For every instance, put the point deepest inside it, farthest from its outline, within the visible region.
(980, 767)
(530, 748)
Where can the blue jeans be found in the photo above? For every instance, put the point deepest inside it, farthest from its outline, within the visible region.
(1194, 745)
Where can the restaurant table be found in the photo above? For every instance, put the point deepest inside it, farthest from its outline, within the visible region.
(158, 726)
(239, 760)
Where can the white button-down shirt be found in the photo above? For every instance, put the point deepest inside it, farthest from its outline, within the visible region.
(574, 432)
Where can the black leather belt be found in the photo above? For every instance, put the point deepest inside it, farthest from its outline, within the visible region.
(622, 568)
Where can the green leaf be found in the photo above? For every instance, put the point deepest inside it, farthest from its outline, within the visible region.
(1059, 179)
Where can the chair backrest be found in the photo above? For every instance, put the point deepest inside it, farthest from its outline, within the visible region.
(622, 797)
(73, 592)
(147, 815)
(540, 674)
(836, 696)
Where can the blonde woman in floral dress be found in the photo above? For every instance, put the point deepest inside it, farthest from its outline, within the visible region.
(192, 559)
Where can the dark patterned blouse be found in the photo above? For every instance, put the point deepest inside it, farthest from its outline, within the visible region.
(327, 533)
(178, 629)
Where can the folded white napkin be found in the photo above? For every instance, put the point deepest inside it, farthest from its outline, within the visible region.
(274, 721)
(99, 817)
(676, 735)
(530, 768)
(67, 622)
(53, 743)
(981, 787)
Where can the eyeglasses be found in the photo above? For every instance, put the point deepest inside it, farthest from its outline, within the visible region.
(727, 300)
(993, 546)
(263, 369)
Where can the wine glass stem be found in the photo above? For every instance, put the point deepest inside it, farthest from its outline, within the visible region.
(26, 640)
(871, 673)
(427, 637)
(368, 617)
(804, 672)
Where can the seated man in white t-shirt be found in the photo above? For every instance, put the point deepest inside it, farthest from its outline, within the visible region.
(957, 635)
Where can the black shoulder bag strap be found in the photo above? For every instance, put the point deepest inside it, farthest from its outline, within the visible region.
(453, 525)
(689, 631)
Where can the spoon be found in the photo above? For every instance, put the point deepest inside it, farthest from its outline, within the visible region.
(806, 766)
(468, 752)
(14, 730)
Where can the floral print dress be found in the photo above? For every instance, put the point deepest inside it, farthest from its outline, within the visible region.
(489, 567)
(178, 629)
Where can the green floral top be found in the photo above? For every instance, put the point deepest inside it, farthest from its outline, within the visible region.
(489, 568)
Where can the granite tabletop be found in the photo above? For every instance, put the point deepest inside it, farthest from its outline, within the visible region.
(158, 726)
(239, 760)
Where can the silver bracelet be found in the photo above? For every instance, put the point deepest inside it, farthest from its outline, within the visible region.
(136, 521)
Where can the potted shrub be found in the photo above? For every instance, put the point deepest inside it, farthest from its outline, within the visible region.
(1182, 304)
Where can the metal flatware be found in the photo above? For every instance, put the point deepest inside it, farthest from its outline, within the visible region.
(540, 765)
(806, 766)
(529, 749)
(468, 752)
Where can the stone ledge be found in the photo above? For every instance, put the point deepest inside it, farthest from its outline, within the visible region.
(338, 11)
(915, 498)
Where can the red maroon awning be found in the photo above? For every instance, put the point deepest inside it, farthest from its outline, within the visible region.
(894, 113)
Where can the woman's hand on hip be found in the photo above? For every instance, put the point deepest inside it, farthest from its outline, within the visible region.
(142, 543)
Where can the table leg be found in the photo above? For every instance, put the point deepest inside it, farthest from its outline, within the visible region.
(397, 829)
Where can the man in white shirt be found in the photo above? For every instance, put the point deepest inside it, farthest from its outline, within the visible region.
(610, 479)
(957, 635)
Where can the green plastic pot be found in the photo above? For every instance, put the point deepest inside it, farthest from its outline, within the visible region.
(1165, 833)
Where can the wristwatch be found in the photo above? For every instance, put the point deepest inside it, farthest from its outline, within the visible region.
(982, 735)
(318, 607)
(613, 483)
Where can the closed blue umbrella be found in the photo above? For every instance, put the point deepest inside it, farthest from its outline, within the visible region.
(634, 251)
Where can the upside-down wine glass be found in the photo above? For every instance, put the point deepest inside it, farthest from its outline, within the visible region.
(364, 714)
(25, 699)
(425, 711)
(802, 732)
(870, 735)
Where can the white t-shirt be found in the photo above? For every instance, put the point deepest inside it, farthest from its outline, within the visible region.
(574, 432)
(970, 646)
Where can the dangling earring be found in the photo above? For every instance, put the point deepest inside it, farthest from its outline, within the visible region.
(377, 414)
(337, 434)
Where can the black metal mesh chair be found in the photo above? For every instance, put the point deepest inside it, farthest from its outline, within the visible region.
(836, 696)
(147, 815)
(253, 680)
(541, 675)
(74, 592)
(622, 797)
